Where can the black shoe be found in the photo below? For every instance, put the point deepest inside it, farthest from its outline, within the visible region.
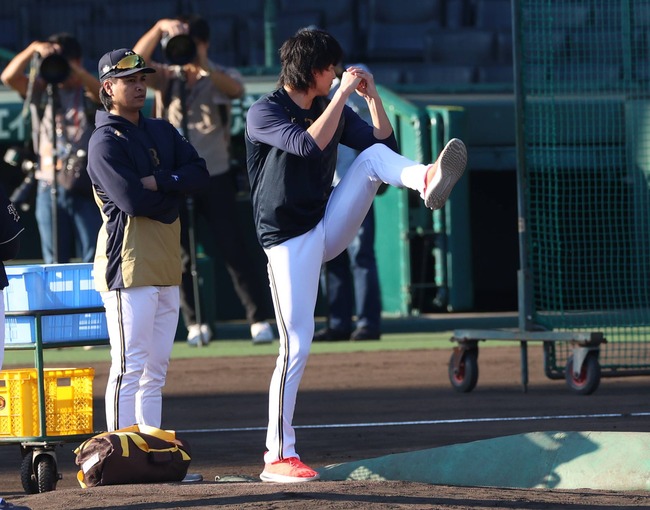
(361, 334)
(330, 335)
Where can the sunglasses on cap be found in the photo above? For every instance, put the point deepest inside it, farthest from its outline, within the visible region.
(127, 63)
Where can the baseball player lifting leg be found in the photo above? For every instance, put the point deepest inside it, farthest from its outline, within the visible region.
(292, 135)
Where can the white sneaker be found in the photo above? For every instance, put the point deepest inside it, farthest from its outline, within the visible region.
(444, 174)
(199, 335)
(262, 333)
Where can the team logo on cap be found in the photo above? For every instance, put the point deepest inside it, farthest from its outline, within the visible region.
(108, 67)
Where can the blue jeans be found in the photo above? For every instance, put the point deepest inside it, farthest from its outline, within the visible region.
(78, 222)
(351, 279)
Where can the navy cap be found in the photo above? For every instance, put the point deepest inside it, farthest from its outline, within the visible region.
(106, 68)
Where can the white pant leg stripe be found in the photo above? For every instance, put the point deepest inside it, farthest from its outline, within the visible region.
(118, 382)
(284, 337)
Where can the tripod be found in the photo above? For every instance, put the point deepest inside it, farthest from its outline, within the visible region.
(191, 214)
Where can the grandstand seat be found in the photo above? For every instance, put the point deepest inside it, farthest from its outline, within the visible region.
(387, 74)
(52, 18)
(287, 24)
(390, 11)
(345, 32)
(9, 9)
(493, 14)
(456, 14)
(139, 10)
(496, 74)
(398, 33)
(504, 47)
(392, 41)
(224, 43)
(99, 37)
(249, 23)
(243, 9)
(340, 18)
(440, 74)
(9, 39)
(460, 47)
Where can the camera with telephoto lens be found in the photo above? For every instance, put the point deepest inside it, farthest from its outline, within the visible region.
(179, 50)
(54, 68)
(24, 195)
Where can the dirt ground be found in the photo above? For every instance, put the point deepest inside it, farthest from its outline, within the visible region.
(219, 406)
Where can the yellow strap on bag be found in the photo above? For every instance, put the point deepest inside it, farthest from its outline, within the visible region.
(142, 444)
(167, 435)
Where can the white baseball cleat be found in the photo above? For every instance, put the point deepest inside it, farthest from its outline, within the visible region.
(443, 175)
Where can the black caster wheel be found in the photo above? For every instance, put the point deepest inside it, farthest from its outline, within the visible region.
(587, 381)
(464, 377)
(27, 477)
(40, 475)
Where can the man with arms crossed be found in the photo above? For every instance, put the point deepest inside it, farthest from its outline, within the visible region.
(140, 168)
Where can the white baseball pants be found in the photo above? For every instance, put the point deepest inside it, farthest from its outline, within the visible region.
(294, 270)
(142, 324)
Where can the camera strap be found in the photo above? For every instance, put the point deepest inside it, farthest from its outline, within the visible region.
(173, 90)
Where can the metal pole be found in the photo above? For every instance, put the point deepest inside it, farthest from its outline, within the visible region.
(270, 31)
(191, 215)
(53, 188)
(524, 277)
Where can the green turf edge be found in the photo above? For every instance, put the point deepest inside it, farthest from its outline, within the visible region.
(78, 356)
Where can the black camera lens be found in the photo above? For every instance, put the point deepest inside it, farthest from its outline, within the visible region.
(54, 68)
(180, 49)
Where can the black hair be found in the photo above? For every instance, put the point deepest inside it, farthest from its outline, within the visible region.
(106, 100)
(309, 50)
(70, 45)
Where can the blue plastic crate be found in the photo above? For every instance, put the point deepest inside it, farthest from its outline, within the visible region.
(53, 287)
(50, 287)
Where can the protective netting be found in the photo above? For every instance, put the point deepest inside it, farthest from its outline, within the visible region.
(584, 75)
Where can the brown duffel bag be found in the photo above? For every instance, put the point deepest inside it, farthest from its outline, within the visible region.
(137, 454)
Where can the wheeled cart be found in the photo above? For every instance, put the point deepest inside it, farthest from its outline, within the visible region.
(582, 371)
(48, 306)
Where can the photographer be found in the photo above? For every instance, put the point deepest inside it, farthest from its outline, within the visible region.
(63, 82)
(209, 89)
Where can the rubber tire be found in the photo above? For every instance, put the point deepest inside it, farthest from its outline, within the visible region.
(28, 481)
(588, 380)
(465, 380)
(46, 473)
